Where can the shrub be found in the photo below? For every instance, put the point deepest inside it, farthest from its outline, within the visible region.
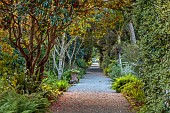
(81, 63)
(89, 63)
(81, 72)
(74, 71)
(131, 54)
(114, 70)
(11, 102)
(134, 90)
(67, 74)
(62, 85)
(20, 82)
(121, 81)
(127, 69)
(106, 71)
(10, 63)
(53, 87)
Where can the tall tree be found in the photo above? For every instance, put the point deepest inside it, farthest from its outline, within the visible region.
(61, 50)
(33, 27)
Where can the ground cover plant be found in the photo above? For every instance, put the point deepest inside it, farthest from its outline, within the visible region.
(12, 102)
(132, 88)
(121, 81)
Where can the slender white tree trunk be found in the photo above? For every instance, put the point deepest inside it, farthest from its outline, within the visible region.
(132, 32)
(75, 56)
(60, 68)
(70, 56)
(60, 51)
(119, 53)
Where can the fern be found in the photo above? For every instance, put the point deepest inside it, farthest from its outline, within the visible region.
(11, 102)
(121, 81)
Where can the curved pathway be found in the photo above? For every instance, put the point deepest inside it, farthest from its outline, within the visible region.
(93, 94)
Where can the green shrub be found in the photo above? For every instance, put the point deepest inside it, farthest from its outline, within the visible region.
(81, 63)
(134, 90)
(82, 71)
(106, 71)
(114, 70)
(121, 81)
(131, 54)
(11, 102)
(10, 63)
(20, 82)
(74, 71)
(53, 84)
(67, 74)
(50, 79)
(53, 87)
(89, 63)
(62, 85)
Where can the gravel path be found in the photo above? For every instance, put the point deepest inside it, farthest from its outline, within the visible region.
(93, 94)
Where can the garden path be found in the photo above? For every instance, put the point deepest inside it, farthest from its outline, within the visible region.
(93, 94)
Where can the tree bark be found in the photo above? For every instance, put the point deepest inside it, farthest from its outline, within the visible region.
(132, 32)
(60, 68)
(119, 52)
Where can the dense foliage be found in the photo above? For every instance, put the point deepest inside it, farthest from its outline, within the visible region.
(67, 74)
(132, 88)
(114, 70)
(121, 81)
(152, 21)
(53, 87)
(12, 102)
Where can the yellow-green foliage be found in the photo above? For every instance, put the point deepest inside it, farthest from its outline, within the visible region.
(121, 81)
(53, 86)
(134, 90)
(132, 87)
(62, 85)
(6, 63)
(106, 70)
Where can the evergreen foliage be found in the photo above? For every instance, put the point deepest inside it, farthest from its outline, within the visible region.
(152, 21)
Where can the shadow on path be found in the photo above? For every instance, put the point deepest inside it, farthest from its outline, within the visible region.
(94, 68)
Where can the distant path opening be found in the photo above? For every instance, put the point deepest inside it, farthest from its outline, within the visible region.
(93, 94)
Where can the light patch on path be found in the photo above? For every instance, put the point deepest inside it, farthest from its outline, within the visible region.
(93, 94)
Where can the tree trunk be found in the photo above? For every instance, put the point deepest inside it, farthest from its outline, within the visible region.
(119, 52)
(28, 67)
(60, 68)
(132, 32)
